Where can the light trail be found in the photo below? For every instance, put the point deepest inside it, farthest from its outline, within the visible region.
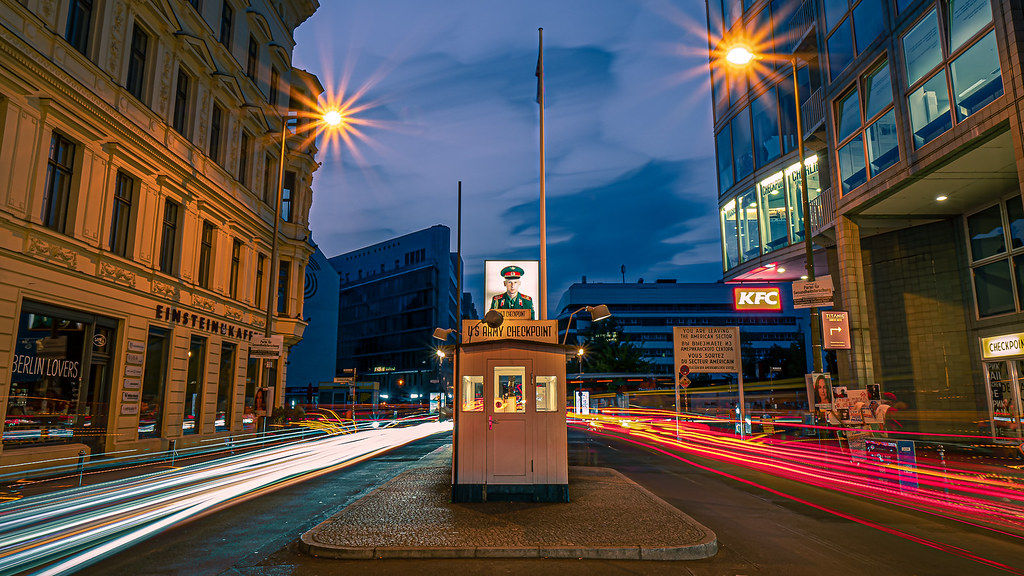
(981, 496)
(67, 530)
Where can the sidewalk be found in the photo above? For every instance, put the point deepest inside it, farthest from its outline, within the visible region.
(608, 517)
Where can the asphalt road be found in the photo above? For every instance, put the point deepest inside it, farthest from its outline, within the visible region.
(759, 532)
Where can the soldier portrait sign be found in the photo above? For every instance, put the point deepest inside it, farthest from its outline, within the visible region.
(511, 287)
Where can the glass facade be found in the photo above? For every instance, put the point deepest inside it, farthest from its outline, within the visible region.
(996, 246)
(866, 137)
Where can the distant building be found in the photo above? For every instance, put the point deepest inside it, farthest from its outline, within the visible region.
(313, 360)
(392, 296)
(647, 312)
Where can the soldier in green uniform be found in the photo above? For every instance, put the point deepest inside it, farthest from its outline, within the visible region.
(512, 299)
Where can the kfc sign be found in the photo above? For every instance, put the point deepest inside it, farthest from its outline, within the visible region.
(756, 299)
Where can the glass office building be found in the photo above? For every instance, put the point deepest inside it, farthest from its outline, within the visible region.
(913, 155)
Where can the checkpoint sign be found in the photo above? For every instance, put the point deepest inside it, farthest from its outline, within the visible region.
(706, 349)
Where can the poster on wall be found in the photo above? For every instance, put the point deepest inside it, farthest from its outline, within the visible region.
(819, 390)
(512, 288)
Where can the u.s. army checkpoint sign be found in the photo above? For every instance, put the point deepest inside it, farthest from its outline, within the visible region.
(707, 349)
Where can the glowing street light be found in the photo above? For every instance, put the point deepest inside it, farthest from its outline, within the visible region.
(742, 56)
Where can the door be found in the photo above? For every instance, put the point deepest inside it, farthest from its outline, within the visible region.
(509, 458)
(1004, 393)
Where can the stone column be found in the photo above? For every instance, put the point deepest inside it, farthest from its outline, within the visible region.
(856, 366)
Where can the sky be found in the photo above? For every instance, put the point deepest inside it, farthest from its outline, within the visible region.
(445, 91)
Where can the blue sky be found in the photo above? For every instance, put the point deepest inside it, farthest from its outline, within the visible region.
(450, 90)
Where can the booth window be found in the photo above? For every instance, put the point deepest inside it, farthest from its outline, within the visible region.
(547, 393)
(508, 389)
(472, 393)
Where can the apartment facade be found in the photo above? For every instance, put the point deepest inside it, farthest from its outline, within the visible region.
(139, 154)
(909, 114)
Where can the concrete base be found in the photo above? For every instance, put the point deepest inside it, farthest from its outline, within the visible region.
(510, 493)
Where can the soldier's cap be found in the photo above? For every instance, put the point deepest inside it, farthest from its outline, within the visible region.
(512, 272)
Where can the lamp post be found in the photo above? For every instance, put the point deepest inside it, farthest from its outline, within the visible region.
(330, 118)
(741, 56)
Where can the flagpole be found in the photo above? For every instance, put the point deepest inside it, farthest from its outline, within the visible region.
(543, 207)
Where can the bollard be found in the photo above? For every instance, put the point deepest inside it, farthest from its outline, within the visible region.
(81, 465)
(945, 478)
(171, 448)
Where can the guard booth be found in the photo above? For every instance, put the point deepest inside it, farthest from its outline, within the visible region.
(510, 433)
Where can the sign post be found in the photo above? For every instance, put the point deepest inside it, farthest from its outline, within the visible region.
(710, 349)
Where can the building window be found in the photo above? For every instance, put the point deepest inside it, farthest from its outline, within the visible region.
(269, 179)
(216, 132)
(275, 88)
(283, 277)
(57, 194)
(121, 216)
(227, 15)
(261, 266)
(236, 266)
(996, 246)
(764, 112)
(205, 254)
(253, 60)
(195, 378)
(137, 55)
(730, 244)
(971, 67)
(747, 228)
(169, 238)
(723, 150)
(774, 215)
(225, 387)
(857, 25)
(79, 24)
(742, 145)
(244, 153)
(866, 136)
(181, 103)
(287, 196)
(154, 375)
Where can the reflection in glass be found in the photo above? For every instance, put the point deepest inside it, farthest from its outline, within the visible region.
(742, 148)
(765, 115)
(225, 387)
(867, 23)
(878, 91)
(547, 393)
(194, 386)
(849, 115)
(883, 147)
(852, 170)
(1015, 216)
(921, 48)
(472, 393)
(723, 145)
(773, 212)
(992, 287)
(154, 374)
(929, 110)
(729, 241)
(840, 50)
(508, 389)
(834, 10)
(986, 232)
(750, 238)
(976, 77)
(966, 18)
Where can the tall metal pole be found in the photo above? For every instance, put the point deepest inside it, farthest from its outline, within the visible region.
(543, 209)
(456, 388)
(271, 287)
(805, 200)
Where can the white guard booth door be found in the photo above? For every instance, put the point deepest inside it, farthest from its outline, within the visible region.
(508, 425)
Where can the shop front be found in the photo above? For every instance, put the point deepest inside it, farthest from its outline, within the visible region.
(60, 378)
(1003, 357)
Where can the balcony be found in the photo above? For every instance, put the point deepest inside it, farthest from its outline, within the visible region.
(823, 212)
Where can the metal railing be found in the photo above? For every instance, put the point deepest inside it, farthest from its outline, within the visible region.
(823, 211)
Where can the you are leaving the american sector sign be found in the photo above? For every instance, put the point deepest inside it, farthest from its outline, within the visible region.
(707, 349)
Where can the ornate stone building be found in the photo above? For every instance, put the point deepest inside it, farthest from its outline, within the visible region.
(139, 152)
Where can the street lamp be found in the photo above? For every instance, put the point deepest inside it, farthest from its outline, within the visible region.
(597, 313)
(742, 56)
(331, 118)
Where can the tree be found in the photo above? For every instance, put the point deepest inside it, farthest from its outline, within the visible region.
(610, 350)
